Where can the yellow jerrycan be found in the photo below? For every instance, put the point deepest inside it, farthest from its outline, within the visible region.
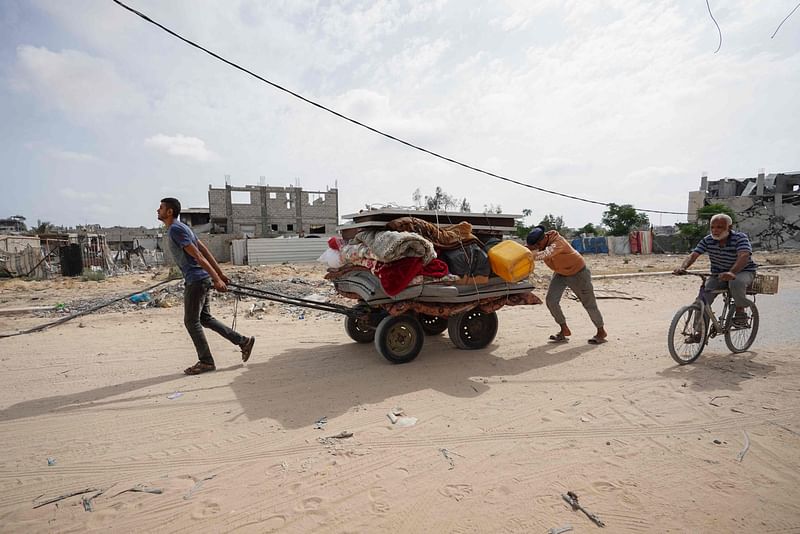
(511, 261)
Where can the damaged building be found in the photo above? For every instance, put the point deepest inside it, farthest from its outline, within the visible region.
(265, 211)
(767, 206)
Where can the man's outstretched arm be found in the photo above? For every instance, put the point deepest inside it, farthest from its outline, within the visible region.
(212, 261)
(219, 281)
(690, 259)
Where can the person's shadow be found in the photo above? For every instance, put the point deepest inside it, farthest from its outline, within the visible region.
(77, 401)
(300, 386)
(719, 371)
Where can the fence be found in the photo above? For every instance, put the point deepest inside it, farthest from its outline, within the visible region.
(264, 251)
(27, 262)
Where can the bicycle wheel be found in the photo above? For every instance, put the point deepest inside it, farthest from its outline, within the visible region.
(687, 335)
(739, 338)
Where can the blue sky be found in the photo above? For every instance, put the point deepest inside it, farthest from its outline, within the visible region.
(616, 100)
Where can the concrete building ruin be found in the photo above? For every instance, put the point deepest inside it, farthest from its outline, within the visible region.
(265, 211)
(767, 206)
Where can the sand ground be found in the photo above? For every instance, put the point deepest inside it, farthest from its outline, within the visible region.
(501, 433)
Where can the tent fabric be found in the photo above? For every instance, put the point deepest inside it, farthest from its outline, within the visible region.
(641, 242)
(590, 245)
(618, 245)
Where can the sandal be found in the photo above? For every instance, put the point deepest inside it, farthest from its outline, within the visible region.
(200, 367)
(558, 338)
(597, 340)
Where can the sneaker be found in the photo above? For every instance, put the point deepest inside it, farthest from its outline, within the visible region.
(740, 320)
(247, 348)
(693, 338)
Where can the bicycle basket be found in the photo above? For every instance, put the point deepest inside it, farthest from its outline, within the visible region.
(763, 284)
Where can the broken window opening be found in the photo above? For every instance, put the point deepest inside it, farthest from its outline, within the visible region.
(240, 197)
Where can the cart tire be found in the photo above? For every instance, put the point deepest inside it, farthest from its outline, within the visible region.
(472, 329)
(432, 325)
(399, 338)
(360, 329)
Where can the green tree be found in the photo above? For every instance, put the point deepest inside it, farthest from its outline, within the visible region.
(43, 227)
(589, 228)
(439, 201)
(621, 219)
(551, 222)
(521, 229)
(705, 213)
(696, 231)
(465, 207)
(416, 197)
(491, 208)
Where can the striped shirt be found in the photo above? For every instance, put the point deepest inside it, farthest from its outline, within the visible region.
(723, 258)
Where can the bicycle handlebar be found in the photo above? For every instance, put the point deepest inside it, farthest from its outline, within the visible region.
(701, 275)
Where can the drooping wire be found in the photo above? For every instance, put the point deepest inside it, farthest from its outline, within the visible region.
(372, 129)
(718, 28)
(784, 20)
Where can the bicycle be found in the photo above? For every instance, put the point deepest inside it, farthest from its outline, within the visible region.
(695, 324)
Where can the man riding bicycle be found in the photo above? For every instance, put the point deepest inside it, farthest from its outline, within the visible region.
(731, 262)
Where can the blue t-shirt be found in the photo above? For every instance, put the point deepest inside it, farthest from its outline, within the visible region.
(180, 236)
(723, 258)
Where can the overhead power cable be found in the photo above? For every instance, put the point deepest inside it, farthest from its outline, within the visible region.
(370, 128)
(784, 20)
(718, 28)
(87, 311)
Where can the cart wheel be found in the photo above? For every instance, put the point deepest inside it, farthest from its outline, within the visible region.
(362, 328)
(432, 325)
(472, 329)
(359, 329)
(399, 338)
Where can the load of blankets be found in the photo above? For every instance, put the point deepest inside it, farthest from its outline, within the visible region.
(410, 252)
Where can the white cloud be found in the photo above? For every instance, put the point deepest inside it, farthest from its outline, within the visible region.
(181, 146)
(616, 100)
(418, 57)
(81, 86)
(520, 13)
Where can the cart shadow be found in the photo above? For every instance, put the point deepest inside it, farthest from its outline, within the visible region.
(713, 372)
(299, 386)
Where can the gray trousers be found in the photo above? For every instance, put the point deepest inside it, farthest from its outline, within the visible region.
(581, 284)
(197, 315)
(737, 288)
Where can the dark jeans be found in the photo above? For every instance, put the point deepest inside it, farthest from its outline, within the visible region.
(196, 316)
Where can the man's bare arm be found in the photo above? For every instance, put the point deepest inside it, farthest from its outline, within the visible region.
(211, 260)
(687, 262)
(193, 251)
(742, 259)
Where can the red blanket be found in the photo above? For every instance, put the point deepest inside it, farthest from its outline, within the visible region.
(396, 276)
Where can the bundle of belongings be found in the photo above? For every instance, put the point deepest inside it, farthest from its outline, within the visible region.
(412, 251)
